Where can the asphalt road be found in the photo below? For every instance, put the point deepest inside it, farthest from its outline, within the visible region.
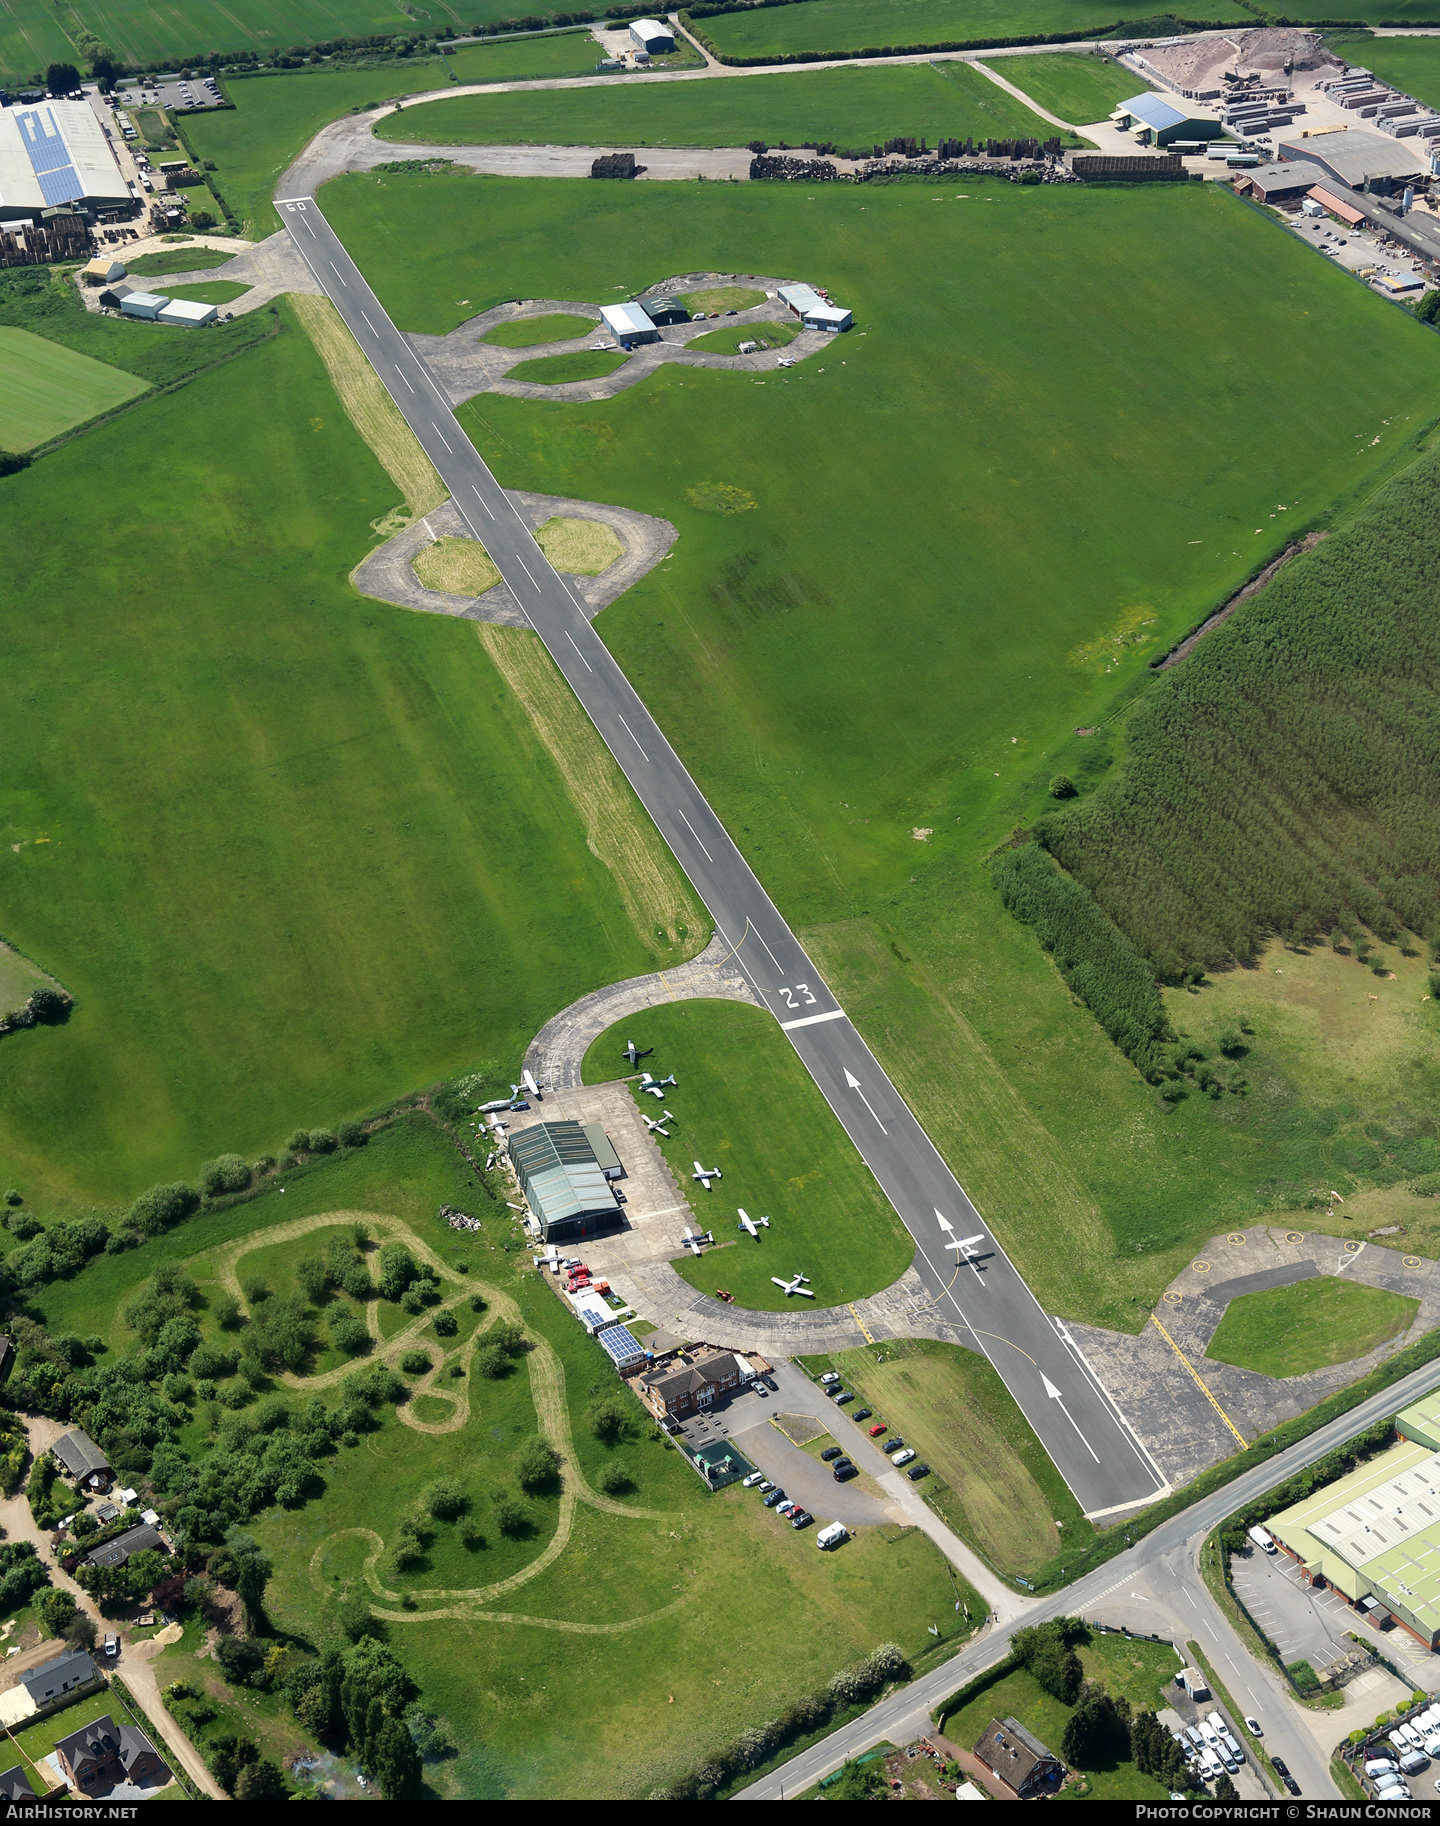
(1064, 1401)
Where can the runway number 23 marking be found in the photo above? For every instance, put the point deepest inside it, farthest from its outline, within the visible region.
(799, 989)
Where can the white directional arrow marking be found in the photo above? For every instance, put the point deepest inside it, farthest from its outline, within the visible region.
(1055, 1395)
(854, 1084)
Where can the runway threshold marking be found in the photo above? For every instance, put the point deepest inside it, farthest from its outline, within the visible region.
(860, 1322)
(1200, 1383)
(810, 1020)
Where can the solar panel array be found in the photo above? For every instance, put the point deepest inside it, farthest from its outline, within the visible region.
(49, 156)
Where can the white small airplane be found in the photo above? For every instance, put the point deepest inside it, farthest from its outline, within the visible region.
(796, 1285)
(655, 1127)
(705, 1174)
(530, 1085)
(655, 1086)
(694, 1238)
(633, 1053)
(747, 1223)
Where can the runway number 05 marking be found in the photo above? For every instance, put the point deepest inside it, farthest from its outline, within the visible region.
(799, 989)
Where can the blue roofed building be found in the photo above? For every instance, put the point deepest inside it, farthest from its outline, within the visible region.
(1156, 122)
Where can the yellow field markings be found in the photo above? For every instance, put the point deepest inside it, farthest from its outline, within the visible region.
(1200, 1382)
(861, 1323)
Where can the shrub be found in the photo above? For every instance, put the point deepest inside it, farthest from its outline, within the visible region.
(162, 1207)
(536, 1466)
(477, 1302)
(511, 1515)
(397, 1270)
(23, 1225)
(445, 1501)
(226, 1173)
(415, 1363)
(323, 1141)
(352, 1134)
(226, 1309)
(214, 1364)
(314, 1277)
(445, 1324)
(1062, 787)
(491, 1362)
(350, 1333)
(608, 1419)
(298, 1141)
(12, 1197)
(615, 1477)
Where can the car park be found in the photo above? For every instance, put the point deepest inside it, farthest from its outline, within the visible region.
(877, 1429)
(775, 1496)
(830, 1453)
(843, 1473)
(916, 1472)
(903, 1458)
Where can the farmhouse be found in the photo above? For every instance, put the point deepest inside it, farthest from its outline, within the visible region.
(652, 37)
(56, 153)
(81, 1459)
(628, 324)
(68, 1674)
(562, 1181)
(1155, 122)
(1374, 1536)
(118, 1551)
(1021, 1761)
(102, 1753)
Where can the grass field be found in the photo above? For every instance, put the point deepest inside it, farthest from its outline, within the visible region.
(852, 107)
(557, 370)
(993, 1481)
(727, 341)
(956, 728)
(1138, 1671)
(530, 330)
(18, 978)
(764, 1617)
(1077, 88)
(1411, 64)
(45, 389)
(852, 25)
(1289, 1331)
(209, 291)
(745, 1104)
(275, 116)
(31, 37)
(301, 852)
(176, 260)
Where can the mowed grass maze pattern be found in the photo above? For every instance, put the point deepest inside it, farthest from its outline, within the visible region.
(852, 107)
(1289, 1331)
(848, 663)
(745, 1104)
(45, 389)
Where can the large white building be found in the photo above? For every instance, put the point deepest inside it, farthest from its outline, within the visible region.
(56, 153)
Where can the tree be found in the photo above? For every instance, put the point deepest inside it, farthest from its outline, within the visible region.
(251, 1577)
(445, 1501)
(13, 461)
(1225, 1789)
(415, 1363)
(162, 1207)
(55, 1609)
(62, 78)
(204, 219)
(615, 1477)
(228, 1756)
(445, 1324)
(1062, 787)
(537, 1464)
(226, 1309)
(261, 1781)
(395, 1762)
(80, 1630)
(1428, 308)
(313, 1274)
(355, 1617)
(352, 1134)
(397, 1271)
(511, 1515)
(1096, 1731)
(608, 1419)
(226, 1173)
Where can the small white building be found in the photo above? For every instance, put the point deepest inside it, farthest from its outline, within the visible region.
(186, 313)
(103, 268)
(828, 317)
(628, 324)
(143, 304)
(651, 36)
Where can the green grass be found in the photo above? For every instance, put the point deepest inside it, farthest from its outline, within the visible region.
(1078, 88)
(855, 25)
(957, 726)
(276, 116)
(31, 37)
(723, 298)
(530, 330)
(1410, 64)
(727, 341)
(39, 1740)
(209, 291)
(852, 107)
(745, 1104)
(993, 1481)
(45, 389)
(18, 977)
(1289, 1331)
(772, 1617)
(1141, 1672)
(265, 874)
(176, 260)
(556, 370)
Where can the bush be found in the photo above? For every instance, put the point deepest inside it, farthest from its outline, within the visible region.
(445, 1324)
(162, 1207)
(491, 1362)
(349, 1333)
(511, 1515)
(1062, 787)
(323, 1141)
(615, 1477)
(415, 1363)
(226, 1309)
(298, 1141)
(609, 1418)
(213, 1364)
(477, 1302)
(12, 1197)
(536, 1466)
(22, 1225)
(226, 1173)
(352, 1134)
(314, 1277)
(445, 1501)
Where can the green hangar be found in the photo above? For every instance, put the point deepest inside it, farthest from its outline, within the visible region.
(563, 1176)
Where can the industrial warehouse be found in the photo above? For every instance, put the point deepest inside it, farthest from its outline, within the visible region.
(55, 156)
(564, 1179)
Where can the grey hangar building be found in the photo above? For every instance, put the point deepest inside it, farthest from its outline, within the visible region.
(565, 1169)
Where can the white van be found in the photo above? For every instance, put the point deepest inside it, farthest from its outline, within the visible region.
(1261, 1539)
(833, 1535)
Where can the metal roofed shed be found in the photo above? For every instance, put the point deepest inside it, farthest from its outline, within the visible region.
(56, 153)
(621, 1346)
(665, 310)
(605, 1155)
(1327, 200)
(563, 1183)
(1155, 119)
(187, 313)
(104, 268)
(1353, 156)
(652, 37)
(628, 324)
(147, 305)
(1283, 183)
(801, 298)
(830, 318)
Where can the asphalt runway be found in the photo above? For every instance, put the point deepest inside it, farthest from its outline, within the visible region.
(1077, 1421)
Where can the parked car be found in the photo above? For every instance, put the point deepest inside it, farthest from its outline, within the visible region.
(1252, 1725)
(1378, 1765)
(879, 1427)
(893, 1445)
(787, 1508)
(843, 1473)
(1282, 1770)
(749, 1483)
(765, 1485)
(903, 1458)
(775, 1496)
(843, 1397)
(801, 1518)
(830, 1452)
(841, 1462)
(916, 1472)
(861, 1414)
(829, 1377)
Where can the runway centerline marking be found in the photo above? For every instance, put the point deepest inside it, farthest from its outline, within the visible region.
(481, 499)
(583, 661)
(397, 370)
(371, 327)
(441, 435)
(708, 857)
(339, 275)
(633, 737)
